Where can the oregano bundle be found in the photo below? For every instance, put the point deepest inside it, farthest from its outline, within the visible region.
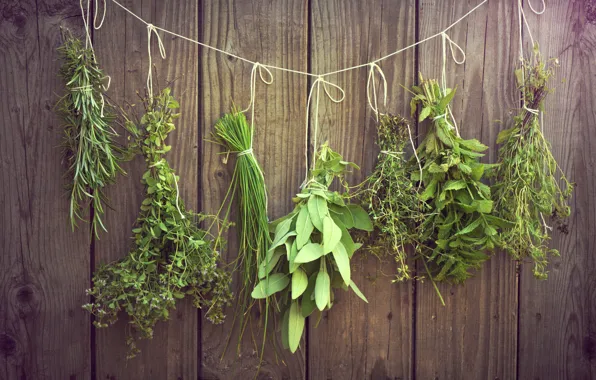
(171, 256)
(530, 188)
(311, 249)
(460, 223)
(90, 152)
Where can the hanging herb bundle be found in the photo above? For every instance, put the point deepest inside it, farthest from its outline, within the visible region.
(172, 257)
(460, 224)
(248, 184)
(90, 153)
(390, 195)
(312, 247)
(528, 189)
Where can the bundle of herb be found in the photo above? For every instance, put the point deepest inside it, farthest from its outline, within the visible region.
(460, 224)
(90, 152)
(391, 196)
(248, 184)
(312, 247)
(527, 189)
(172, 257)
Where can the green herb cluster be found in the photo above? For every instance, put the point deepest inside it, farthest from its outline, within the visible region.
(90, 153)
(390, 195)
(312, 247)
(171, 257)
(530, 188)
(248, 184)
(460, 224)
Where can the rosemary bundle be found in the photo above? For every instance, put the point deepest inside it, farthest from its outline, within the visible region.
(171, 257)
(530, 187)
(248, 184)
(311, 249)
(91, 155)
(460, 223)
(390, 195)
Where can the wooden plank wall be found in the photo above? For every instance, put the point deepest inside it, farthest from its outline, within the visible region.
(502, 324)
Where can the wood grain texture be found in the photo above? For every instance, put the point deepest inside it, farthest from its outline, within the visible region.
(474, 335)
(121, 46)
(557, 320)
(44, 333)
(356, 340)
(273, 33)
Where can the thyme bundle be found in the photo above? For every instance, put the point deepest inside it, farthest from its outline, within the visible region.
(91, 155)
(248, 184)
(460, 224)
(390, 195)
(312, 247)
(171, 257)
(530, 187)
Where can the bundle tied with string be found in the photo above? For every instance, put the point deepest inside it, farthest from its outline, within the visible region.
(530, 188)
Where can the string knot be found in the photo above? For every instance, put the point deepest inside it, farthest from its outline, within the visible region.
(371, 81)
(453, 44)
(260, 68)
(245, 152)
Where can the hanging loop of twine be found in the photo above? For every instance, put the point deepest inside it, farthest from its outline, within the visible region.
(371, 83)
(445, 39)
(85, 16)
(257, 67)
(103, 15)
(452, 45)
(151, 29)
(534, 10)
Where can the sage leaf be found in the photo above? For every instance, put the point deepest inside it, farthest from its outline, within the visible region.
(331, 235)
(295, 326)
(357, 291)
(322, 290)
(343, 262)
(308, 300)
(361, 219)
(317, 210)
(271, 285)
(308, 253)
(299, 283)
(304, 227)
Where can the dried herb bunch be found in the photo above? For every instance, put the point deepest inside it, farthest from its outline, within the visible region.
(312, 247)
(247, 184)
(90, 153)
(530, 187)
(171, 257)
(460, 224)
(390, 195)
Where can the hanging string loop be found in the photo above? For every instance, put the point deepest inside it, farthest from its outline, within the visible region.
(151, 29)
(371, 83)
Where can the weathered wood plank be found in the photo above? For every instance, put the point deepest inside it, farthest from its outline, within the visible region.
(356, 340)
(474, 335)
(273, 33)
(44, 333)
(558, 316)
(122, 47)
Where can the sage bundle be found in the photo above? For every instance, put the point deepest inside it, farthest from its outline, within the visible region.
(311, 249)
(391, 196)
(172, 257)
(91, 155)
(530, 188)
(460, 223)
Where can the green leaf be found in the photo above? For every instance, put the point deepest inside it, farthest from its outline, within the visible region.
(283, 227)
(304, 227)
(308, 299)
(361, 219)
(477, 171)
(331, 235)
(285, 333)
(271, 285)
(295, 326)
(293, 252)
(309, 252)
(343, 262)
(446, 99)
(424, 114)
(473, 145)
(299, 283)
(264, 270)
(343, 214)
(483, 206)
(470, 227)
(279, 240)
(430, 191)
(357, 291)
(317, 209)
(455, 185)
(505, 134)
(444, 136)
(322, 290)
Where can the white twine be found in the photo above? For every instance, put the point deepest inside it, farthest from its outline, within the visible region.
(152, 29)
(177, 196)
(371, 83)
(103, 16)
(521, 21)
(317, 83)
(85, 16)
(444, 39)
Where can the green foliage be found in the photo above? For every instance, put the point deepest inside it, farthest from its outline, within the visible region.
(460, 223)
(390, 195)
(312, 247)
(530, 187)
(90, 153)
(171, 257)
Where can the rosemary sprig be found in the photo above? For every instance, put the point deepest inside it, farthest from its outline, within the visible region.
(91, 155)
(530, 187)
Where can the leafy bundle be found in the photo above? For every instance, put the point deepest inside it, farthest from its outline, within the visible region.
(527, 189)
(90, 153)
(460, 224)
(390, 195)
(172, 257)
(248, 184)
(312, 248)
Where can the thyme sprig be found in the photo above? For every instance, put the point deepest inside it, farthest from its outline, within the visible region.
(530, 188)
(171, 257)
(90, 152)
